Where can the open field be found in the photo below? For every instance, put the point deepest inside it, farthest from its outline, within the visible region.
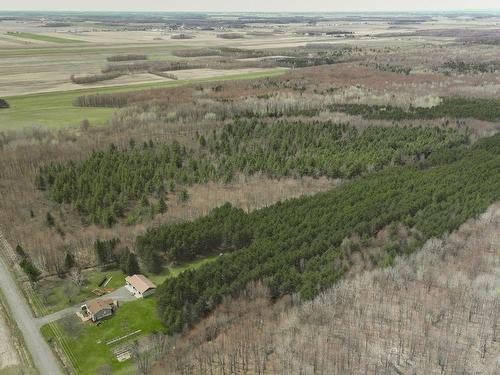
(44, 38)
(52, 66)
(56, 109)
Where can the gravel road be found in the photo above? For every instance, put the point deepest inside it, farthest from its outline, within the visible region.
(43, 357)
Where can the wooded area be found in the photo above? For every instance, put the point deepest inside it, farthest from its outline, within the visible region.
(103, 187)
(295, 244)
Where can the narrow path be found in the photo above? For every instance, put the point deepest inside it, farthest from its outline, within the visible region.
(43, 357)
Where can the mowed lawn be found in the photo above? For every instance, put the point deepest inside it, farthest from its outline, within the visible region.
(44, 38)
(56, 109)
(85, 344)
(57, 294)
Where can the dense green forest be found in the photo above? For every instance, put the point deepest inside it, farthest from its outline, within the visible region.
(224, 229)
(295, 245)
(103, 187)
(481, 109)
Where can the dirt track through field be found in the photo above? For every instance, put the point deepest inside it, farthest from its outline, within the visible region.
(43, 357)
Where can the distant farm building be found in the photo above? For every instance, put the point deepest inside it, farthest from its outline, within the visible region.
(140, 286)
(98, 309)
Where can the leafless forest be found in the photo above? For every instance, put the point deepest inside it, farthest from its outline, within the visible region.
(435, 312)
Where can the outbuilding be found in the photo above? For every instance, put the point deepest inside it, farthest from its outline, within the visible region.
(140, 286)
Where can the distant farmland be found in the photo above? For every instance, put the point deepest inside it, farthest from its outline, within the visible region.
(44, 38)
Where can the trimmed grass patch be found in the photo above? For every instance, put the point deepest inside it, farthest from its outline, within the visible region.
(57, 294)
(86, 342)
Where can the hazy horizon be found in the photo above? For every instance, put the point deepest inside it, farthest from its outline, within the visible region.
(259, 6)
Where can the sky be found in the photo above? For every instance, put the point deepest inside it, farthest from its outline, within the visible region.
(249, 5)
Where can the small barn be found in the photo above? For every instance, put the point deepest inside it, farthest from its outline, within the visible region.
(99, 309)
(140, 286)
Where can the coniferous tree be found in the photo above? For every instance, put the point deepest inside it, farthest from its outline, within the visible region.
(20, 251)
(162, 206)
(49, 220)
(132, 266)
(69, 261)
(31, 271)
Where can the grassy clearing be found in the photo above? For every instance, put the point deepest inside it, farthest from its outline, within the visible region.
(175, 271)
(56, 110)
(57, 294)
(44, 38)
(84, 344)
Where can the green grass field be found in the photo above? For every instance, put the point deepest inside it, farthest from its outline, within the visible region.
(85, 343)
(44, 38)
(56, 110)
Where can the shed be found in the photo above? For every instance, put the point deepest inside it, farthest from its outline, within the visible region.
(140, 286)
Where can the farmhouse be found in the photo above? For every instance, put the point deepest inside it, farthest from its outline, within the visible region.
(99, 309)
(140, 286)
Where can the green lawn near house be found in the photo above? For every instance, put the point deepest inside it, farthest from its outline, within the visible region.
(86, 344)
(57, 294)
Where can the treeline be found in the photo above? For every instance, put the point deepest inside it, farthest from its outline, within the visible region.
(117, 100)
(481, 109)
(103, 187)
(182, 36)
(161, 74)
(230, 36)
(222, 51)
(295, 244)
(108, 255)
(92, 78)
(27, 265)
(469, 67)
(145, 66)
(406, 70)
(127, 57)
(223, 230)
(332, 56)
